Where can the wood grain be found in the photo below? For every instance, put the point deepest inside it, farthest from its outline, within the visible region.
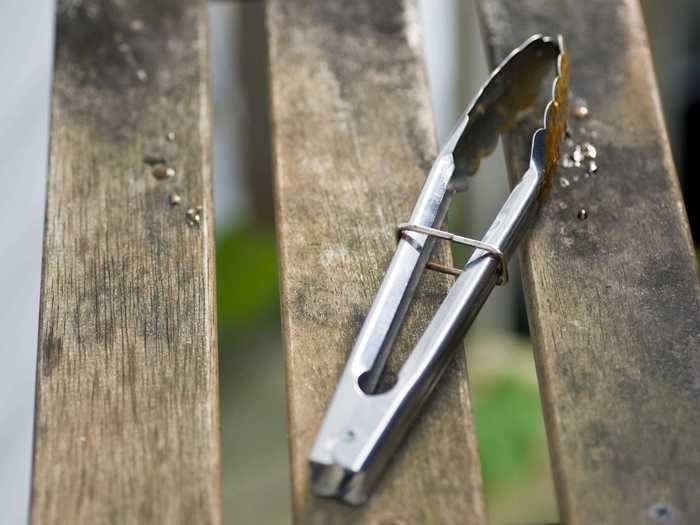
(353, 140)
(613, 300)
(127, 394)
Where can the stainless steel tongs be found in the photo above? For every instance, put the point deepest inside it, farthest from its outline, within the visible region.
(362, 428)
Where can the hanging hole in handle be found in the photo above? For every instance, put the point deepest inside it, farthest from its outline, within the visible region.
(386, 382)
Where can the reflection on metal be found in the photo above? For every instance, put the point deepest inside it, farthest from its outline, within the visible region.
(363, 426)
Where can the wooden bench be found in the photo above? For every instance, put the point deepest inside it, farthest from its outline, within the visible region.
(127, 397)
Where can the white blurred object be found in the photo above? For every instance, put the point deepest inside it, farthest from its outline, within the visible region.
(230, 112)
(26, 43)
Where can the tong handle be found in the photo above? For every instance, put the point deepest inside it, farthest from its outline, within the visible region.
(361, 431)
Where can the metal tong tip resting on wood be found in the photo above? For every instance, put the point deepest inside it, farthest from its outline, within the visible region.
(362, 428)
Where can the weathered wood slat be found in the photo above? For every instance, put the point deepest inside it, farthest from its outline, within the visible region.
(613, 300)
(127, 396)
(353, 139)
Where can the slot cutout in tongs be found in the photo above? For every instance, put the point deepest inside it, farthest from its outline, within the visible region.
(362, 427)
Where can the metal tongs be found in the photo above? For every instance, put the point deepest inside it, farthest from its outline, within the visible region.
(362, 428)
